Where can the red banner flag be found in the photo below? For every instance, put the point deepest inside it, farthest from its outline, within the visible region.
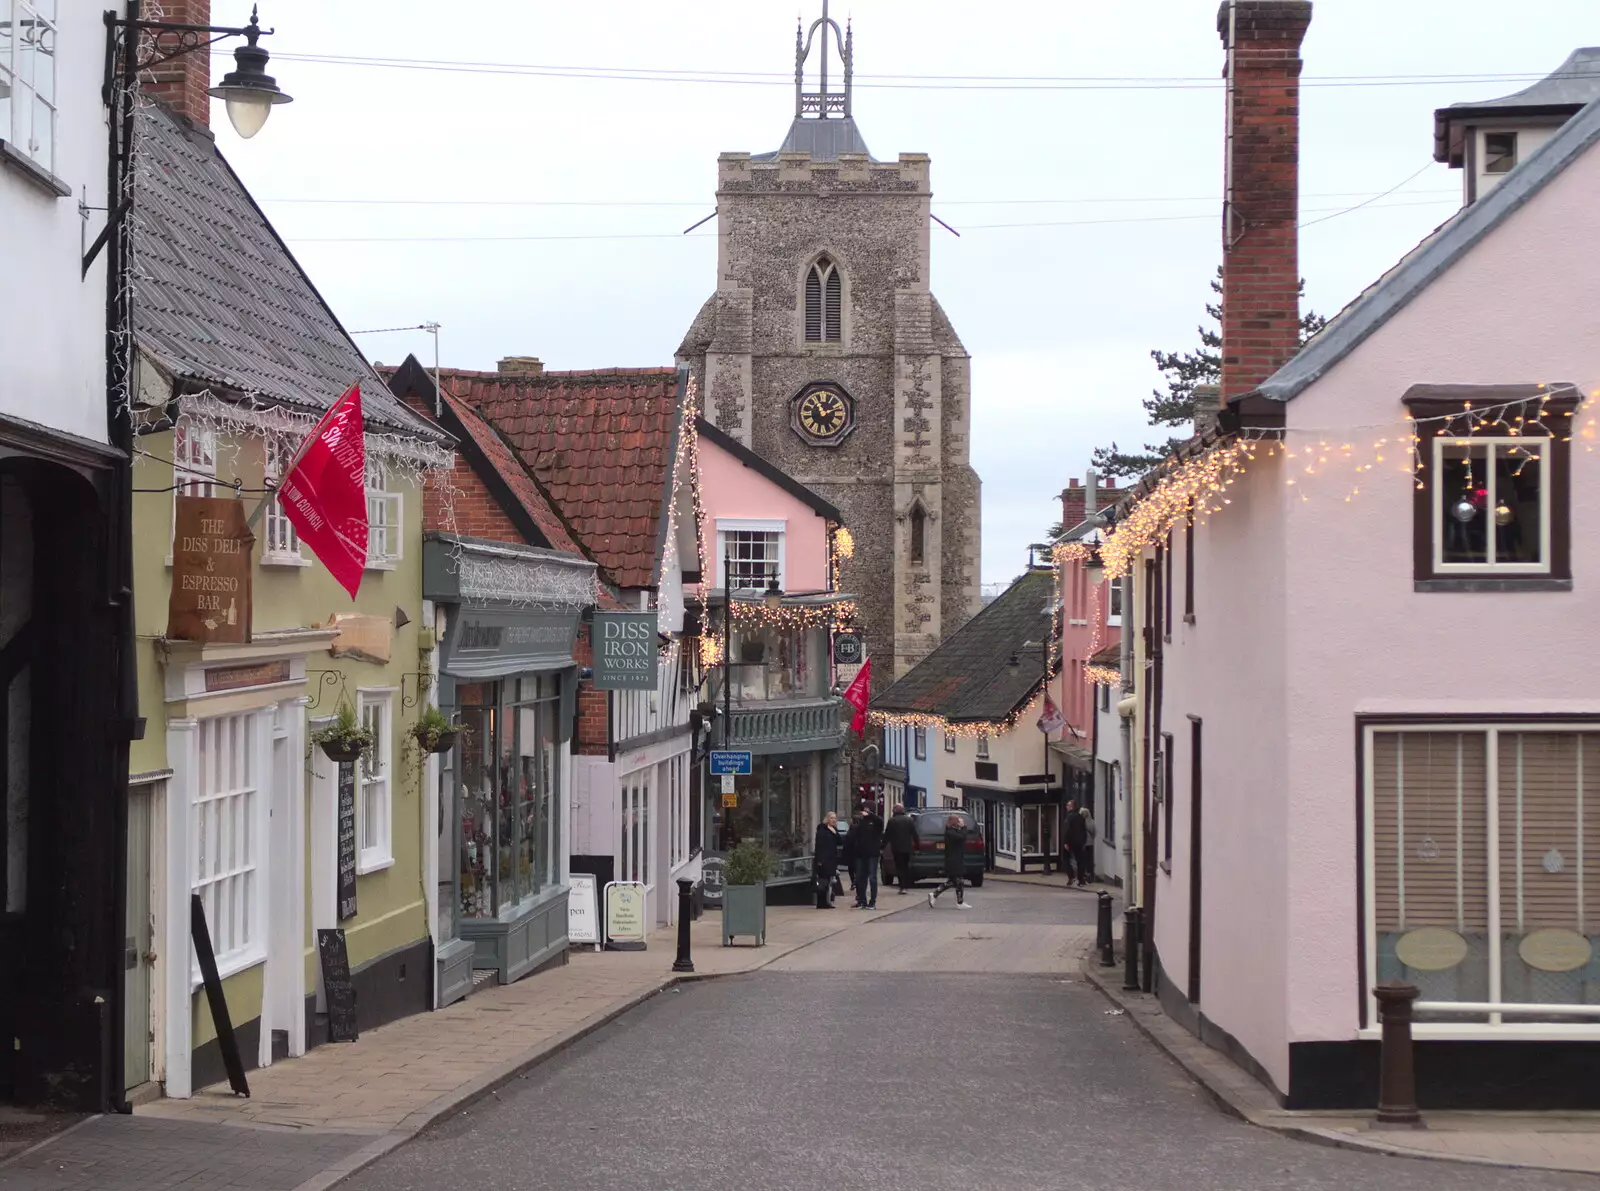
(324, 492)
(857, 695)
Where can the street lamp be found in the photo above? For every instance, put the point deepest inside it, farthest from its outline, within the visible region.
(1094, 567)
(249, 91)
(774, 594)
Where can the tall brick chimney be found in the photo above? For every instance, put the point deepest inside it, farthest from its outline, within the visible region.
(181, 83)
(1261, 189)
(1071, 504)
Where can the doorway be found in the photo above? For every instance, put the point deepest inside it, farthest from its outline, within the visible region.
(138, 942)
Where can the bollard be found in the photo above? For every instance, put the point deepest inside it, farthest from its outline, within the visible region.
(1103, 941)
(1130, 949)
(685, 911)
(1397, 1073)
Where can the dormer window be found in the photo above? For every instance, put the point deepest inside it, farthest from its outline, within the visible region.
(823, 300)
(1499, 152)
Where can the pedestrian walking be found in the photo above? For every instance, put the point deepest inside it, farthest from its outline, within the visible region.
(1088, 851)
(1076, 832)
(901, 836)
(864, 844)
(955, 861)
(825, 860)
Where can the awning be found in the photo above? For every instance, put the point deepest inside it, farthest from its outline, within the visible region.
(1029, 795)
(1074, 755)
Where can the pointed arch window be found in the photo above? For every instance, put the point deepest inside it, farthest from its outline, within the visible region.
(919, 531)
(824, 298)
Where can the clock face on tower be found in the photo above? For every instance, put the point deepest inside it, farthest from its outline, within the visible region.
(822, 413)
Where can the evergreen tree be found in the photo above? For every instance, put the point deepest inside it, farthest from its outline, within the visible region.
(1184, 372)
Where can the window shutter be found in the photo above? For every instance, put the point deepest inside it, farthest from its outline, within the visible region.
(814, 304)
(831, 330)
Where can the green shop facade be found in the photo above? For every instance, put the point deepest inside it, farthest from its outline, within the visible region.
(506, 621)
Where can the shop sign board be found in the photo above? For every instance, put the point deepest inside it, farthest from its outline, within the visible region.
(338, 988)
(347, 840)
(625, 653)
(210, 598)
(711, 864)
(583, 915)
(730, 761)
(848, 648)
(625, 916)
(729, 784)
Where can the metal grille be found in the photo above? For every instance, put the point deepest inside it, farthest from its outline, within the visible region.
(824, 298)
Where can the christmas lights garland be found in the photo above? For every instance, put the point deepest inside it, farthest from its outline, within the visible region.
(1102, 675)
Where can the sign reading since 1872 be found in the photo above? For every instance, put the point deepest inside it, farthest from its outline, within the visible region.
(210, 598)
(625, 651)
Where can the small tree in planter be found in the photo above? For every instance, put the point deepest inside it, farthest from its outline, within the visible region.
(434, 733)
(744, 892)
(346, 738)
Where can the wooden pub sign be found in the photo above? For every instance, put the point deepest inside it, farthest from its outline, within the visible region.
(211, 548)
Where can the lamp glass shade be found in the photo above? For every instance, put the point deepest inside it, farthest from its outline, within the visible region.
(248, 110)
(774, 596)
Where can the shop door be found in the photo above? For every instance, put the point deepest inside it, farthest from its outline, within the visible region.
(137, 943)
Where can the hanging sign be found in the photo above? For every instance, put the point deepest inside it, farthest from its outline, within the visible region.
(210, 598)
(347, 840)
(625, 656)
(625, 913)
(583, 916)
(848, 648)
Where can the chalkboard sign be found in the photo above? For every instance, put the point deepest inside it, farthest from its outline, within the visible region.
(338, 989)
(347, 840)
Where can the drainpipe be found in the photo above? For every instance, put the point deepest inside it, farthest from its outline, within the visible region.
(1125, 710)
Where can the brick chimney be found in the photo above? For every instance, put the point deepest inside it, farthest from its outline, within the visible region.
(181, 83)
(1261, 189)
(521, 366)
(1071, 504)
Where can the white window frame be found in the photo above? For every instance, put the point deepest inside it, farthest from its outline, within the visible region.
(949, 742)
(375, 782)
(727, 525)
(385, 520)
(194, 468)
(1113, 603)
(633, 856)
(1531, 443)
(983, 748)
(1005, 830)
(1496, 1027)
(239, 800)
(280, 542)
(27, 100)
(919, 742)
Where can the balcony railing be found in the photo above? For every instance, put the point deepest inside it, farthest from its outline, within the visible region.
(798, 726)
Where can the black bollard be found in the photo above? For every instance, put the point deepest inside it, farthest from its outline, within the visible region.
(685, 911)
(1397, 1074)
(1130, 949)
(1103, 941)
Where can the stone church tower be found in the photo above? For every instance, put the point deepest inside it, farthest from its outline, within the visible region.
(824, 351)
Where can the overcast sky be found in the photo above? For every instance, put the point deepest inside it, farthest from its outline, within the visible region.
(1111, 187)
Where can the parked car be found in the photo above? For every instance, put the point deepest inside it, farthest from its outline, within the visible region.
(927, 862)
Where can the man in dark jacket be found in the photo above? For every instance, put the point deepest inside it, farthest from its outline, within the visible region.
(955, 860)
(825, 860)
(1076, 834)
(864, 844)
(901, 836)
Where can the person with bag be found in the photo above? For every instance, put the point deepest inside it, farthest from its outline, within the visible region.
(955, 861)
(901, 837)
(1076, 834)
(864, 844)
(825, 860)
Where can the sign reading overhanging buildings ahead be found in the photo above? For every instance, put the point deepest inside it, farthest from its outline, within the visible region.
(625, 654)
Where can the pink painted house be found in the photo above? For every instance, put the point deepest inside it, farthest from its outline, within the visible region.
(1375, 673)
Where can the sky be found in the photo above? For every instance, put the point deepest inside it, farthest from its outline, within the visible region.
(533, 203)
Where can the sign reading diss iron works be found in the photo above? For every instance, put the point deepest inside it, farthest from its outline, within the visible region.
(210, 598)
(625, 651)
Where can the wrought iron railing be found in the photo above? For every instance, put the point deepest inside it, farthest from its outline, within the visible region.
(808, 723)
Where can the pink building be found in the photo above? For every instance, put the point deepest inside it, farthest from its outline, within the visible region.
(1370, 659)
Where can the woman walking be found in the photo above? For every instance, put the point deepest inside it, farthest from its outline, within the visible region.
(825, 860)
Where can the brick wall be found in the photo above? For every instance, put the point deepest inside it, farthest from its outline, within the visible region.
(590, 737)
(1261, 271)
(1075, 494)
(477, 513)
(181, 84)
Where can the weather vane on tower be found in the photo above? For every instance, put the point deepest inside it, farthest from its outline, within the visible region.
(821, 104)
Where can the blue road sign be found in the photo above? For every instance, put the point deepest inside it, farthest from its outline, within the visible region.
(729, 761)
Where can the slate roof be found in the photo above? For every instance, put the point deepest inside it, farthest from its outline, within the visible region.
(598, 443)
(823, 139)
(968, 677)
(1572, 85)
(1429, 260)
(221, 300)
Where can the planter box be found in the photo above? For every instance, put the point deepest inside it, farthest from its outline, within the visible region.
(744, 912)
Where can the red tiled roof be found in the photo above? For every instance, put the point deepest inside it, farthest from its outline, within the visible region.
(599, 444)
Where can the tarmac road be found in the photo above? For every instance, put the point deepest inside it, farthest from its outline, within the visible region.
(875, 1061)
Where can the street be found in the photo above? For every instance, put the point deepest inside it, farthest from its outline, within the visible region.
(932, 1049)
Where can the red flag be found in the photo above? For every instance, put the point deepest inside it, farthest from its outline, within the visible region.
(1051, 720)
(324, 492)
(857, 694)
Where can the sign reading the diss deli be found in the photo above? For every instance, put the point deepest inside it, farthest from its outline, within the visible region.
(210, 598)
(625, 651)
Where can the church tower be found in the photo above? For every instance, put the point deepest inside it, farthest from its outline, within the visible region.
(824, 351)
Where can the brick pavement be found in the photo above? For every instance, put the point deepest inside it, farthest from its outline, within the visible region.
(312, 1120)
(1542, 1141)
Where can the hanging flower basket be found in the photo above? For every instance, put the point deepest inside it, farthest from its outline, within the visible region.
(345, 739)
(434, 733)
(444, 742)
(343, 750)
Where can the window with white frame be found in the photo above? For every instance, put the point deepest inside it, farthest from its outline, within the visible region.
(633, 859)
(1005, 830)
(919, 742)
(1483, 882)
(1114, 602)
(375, 796)
(28, 79)
(753, 550)
(949, 743)
(194, 465)
(383, 519)
(281, 544)
(983, 748)
(1491, 505)
(678, 782)
(226, 834)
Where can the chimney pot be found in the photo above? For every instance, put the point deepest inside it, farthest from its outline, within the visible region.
(521, 366)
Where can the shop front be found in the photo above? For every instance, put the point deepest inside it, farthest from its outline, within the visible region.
(508, 620)
(1021, 822)
(779, 807)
